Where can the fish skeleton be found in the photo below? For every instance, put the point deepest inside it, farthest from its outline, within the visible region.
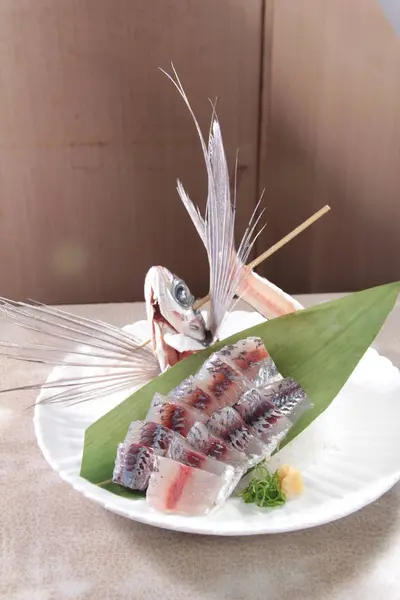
(113, 359)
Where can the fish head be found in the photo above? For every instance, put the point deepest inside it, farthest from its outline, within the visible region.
(170, 304)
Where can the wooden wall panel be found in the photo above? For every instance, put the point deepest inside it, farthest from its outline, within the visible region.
(93, 137)
(331, 135)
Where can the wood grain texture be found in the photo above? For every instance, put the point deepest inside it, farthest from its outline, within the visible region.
(331, 135)
(93, 138)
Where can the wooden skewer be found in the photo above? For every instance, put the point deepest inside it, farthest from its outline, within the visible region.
(254, 263)
(320, 213)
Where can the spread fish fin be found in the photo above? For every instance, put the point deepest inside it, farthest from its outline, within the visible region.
(68, 340)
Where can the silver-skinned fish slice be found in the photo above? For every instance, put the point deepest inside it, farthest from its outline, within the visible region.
(288, 397)
(204, 441)
(228, 425)
(174, 415)
(150, 434)
(191, 392)
(265, 421)
(251, 357)
(133, 466)
(223, 381)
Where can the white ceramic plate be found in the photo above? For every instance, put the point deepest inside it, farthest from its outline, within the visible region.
(349, 456)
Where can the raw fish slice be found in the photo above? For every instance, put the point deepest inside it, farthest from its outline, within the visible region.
(150, 434)
(224, 382)
(265, 421)
(203, 440)
(289, 397)
(157, 400)
(251, 357)
(230, 427)
(190, 392)
(181, 451)
(133, 466)
(177, 488)
(267, 373)
(246, 353)
(118, 464)
(184, 453)
(175, 415)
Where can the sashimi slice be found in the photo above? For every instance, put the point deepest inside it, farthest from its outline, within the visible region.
(150, 434)
(133, 466)
(223, 381)
(230, 427)
(157, 400)
(181, 451)
(184, 453)
(251, 357)
(289, 397)
(267, 373)
(190, 392)
(204, 441)
(175, 415)
(265, 421)
(246, 352)
(177, 488)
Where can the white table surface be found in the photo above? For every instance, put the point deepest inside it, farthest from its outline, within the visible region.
(57, 545)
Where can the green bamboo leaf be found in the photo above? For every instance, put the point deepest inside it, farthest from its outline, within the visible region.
(319, 347)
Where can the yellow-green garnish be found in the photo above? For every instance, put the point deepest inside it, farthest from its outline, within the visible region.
(264, 489)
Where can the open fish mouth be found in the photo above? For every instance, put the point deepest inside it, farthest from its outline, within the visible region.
(158, 317)
(177, 345)
(175, 339)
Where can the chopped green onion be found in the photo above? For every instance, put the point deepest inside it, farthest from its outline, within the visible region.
(264, 489)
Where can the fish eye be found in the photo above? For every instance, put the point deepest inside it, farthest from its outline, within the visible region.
(182, 294)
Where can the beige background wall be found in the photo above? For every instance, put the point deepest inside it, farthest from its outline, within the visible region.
(93, 137)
